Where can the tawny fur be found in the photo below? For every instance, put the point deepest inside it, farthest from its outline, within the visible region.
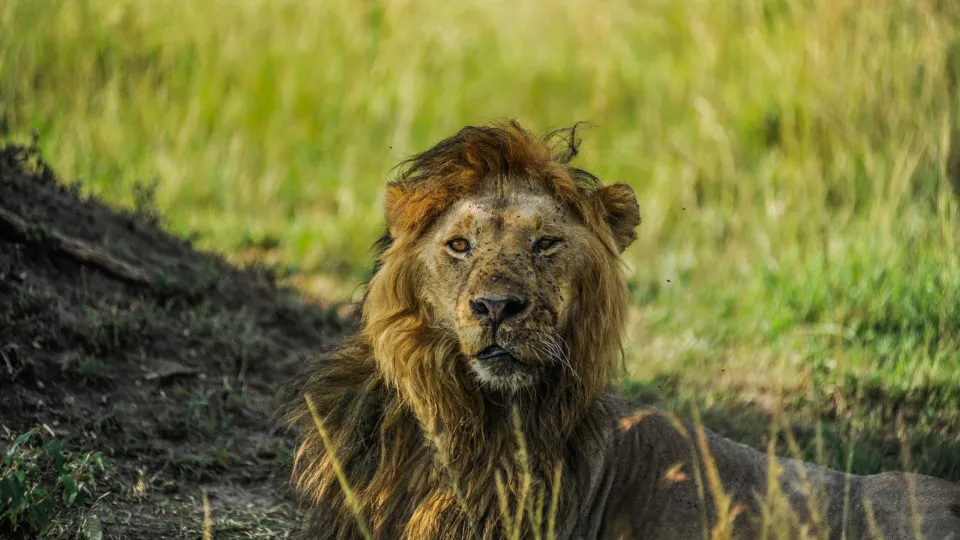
(430, 451)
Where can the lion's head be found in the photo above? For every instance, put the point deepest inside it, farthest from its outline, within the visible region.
(502, 262)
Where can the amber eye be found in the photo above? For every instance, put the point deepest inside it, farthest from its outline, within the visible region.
(544, 244)
(459, 245)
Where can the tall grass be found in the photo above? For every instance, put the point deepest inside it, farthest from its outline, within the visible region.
(792, 159)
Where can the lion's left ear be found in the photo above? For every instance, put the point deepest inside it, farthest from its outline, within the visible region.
(622, 212)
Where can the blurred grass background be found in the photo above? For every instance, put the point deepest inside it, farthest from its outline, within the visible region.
(795, 162)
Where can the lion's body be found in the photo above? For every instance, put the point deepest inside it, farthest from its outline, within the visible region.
(475, 402)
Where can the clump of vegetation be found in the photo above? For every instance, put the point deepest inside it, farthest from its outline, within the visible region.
(39, 480)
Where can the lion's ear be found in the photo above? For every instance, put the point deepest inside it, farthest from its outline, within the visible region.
(622, 212)
(409, 210)
(393, 209)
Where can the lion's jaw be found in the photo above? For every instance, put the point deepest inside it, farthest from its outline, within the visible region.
(502, 271)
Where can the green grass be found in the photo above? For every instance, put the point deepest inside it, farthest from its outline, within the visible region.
(799, 244)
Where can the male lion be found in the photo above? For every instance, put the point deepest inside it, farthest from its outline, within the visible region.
(475, 399)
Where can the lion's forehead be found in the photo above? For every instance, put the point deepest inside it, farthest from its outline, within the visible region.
(499, 213)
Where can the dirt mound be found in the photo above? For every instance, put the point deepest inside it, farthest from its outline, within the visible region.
(123, 339)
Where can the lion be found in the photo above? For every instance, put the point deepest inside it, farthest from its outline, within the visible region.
(475, 398)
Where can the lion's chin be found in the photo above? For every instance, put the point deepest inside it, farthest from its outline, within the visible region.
(499, 370)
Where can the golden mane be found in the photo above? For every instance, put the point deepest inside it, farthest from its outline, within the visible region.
(409, 428)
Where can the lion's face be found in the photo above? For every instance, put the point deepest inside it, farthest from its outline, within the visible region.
(501, 271)
(501, 267)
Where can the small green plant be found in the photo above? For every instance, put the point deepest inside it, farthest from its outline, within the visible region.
(144, 201)
(38, 480)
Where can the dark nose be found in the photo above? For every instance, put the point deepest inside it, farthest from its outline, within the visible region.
(496, 310)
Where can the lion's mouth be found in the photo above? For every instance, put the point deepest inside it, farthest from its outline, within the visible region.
(493, 351)
(498, 362)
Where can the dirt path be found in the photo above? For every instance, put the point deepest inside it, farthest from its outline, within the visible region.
(124, 339)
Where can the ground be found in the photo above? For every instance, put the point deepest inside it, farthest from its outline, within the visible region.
(166, 359)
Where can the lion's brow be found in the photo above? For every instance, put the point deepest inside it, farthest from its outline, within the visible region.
(497, 223)
(499, 204)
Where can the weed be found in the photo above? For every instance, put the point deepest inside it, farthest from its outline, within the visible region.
(109, 328)
(91, 368)
(144, 202)
(38, 480)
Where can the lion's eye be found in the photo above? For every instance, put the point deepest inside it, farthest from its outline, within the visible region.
(459, 245)
(544, 244)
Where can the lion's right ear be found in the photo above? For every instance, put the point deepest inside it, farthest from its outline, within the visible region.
(409, 210)
(396, 211)
(622, 212)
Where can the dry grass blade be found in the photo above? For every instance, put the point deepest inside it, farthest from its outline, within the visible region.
(911, 482)
(554, 501)
(807, 485)
(535, 510)
(503, 498)
(695, 463)
(527, 478)
(348, 493)
(726, 512)
(433, 437)
(207, 522)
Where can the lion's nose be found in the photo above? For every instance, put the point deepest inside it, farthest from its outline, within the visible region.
(498, 309)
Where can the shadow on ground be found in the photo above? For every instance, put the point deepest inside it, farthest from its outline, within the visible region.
(123, 339)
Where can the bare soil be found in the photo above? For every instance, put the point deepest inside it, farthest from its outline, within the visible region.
(125, 339)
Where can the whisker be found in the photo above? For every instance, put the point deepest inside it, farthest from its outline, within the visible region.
(562, 353)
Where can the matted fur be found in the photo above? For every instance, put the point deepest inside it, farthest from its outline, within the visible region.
(430, 453)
